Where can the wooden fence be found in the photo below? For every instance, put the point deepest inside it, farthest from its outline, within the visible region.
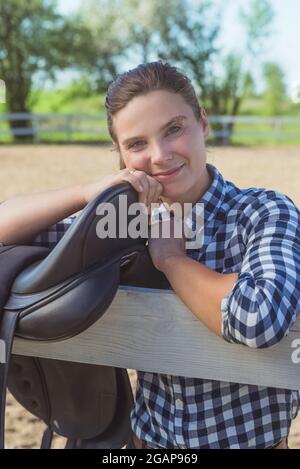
(152, 330)
(87, 127)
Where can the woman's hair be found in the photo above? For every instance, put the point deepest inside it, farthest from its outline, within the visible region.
(140, 81)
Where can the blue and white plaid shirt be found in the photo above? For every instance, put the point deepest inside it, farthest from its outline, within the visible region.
(256, 233)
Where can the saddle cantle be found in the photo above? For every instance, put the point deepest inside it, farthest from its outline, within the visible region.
(53, 295)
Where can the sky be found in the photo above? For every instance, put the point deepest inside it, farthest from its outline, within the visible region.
(282, 47)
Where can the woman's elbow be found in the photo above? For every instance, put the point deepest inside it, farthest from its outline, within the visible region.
(261, 337)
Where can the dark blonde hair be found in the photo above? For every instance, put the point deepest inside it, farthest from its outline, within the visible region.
(140, 81)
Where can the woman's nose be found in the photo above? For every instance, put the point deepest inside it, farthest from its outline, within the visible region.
(160, 153)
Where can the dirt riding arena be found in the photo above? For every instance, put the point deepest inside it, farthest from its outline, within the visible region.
(28, 169)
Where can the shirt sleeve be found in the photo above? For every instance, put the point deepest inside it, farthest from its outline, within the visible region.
(51, 236)
(265, 301)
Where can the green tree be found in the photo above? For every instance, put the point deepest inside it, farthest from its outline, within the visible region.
(258, 21)
(131, 31)
(109, 39)
(188, 38)
(145, 22)
(124, 31)
(275, 92)
(225, 93)
(34, 39)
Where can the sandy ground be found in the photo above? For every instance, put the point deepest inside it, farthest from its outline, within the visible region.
(28, 169)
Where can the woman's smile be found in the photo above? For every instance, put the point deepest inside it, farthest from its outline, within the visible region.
(166, 176)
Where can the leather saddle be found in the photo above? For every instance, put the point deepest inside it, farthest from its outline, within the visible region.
(53, 295)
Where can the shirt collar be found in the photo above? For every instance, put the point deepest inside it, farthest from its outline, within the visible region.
(210, 204)
(213, 198)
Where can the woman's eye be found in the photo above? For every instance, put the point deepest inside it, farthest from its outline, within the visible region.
(135, 144)
(174, 129)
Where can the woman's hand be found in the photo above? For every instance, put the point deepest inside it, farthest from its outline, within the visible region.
(148, 188)
(163, 248)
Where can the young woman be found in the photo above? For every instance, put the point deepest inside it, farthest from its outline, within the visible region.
(243, 282)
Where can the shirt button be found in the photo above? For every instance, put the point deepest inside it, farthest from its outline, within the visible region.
(179, 403)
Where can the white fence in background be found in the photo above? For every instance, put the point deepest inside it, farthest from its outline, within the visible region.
(85, 127)
(58, 125)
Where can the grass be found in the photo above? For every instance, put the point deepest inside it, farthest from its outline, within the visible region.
(76, 98)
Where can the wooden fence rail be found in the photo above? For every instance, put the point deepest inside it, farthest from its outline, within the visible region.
(152, 330)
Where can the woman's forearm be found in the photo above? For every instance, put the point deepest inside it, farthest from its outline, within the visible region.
(200, 288)
(22, 218)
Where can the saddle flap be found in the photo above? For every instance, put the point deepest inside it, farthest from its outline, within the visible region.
(76, 400)
(71, 309)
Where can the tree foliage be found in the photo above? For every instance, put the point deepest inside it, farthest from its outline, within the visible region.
(258, 21)
(34, 39)
(275, 93)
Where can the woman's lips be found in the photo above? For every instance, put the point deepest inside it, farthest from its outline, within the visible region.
(168, 175)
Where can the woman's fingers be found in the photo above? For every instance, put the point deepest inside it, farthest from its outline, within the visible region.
(149, 189)
(144, 181)
(131, 177)
(155, 191)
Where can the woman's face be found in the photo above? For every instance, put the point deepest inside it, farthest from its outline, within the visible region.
(159, 134)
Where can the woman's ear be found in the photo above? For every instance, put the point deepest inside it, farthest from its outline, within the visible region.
(204, 122)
